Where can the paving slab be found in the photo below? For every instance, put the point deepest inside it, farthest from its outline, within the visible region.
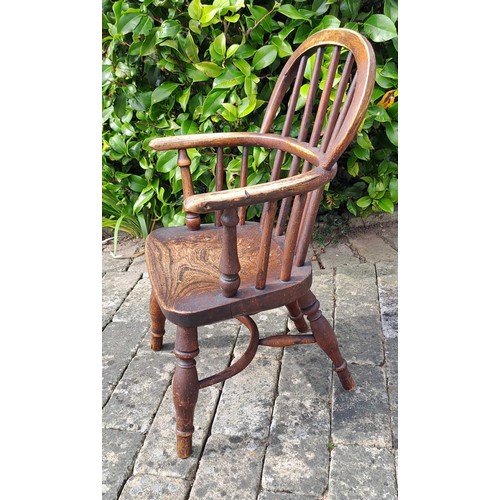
(391, 347)
(362, 416)
(150, 487)
(371, 247)
(136, 398)
(139, 264)
(115, 288)
(297, 458)
(387, 281)
(335, 255)
(136, 305)
(389, 233)
(158, 456)
(124, 249)
(229, 468)
(119, 449)
(275, 495)
(362, 473)
(120, 342)
(247, 401)
(357, 316)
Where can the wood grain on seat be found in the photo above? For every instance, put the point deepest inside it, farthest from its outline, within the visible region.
(184, 272)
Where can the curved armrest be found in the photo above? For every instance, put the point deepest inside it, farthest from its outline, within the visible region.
(271, 141)
(261, 193)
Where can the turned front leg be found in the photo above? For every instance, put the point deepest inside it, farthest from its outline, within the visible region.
(157, 323)
(296, 315)
(326, 338)
(185, 387)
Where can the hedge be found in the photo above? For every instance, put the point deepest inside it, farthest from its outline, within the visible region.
(173, 67)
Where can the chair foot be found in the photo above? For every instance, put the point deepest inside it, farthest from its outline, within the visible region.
(326, 338)
(345, 377)
(185, 387)
(295, 314)
(157, 324)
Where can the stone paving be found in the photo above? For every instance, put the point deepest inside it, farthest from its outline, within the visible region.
(283, 428)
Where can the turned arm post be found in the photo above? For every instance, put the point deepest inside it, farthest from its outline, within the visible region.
(229, 263)
(192, 219)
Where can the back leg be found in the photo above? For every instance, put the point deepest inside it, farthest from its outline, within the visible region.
(157, 323)
(326, 338)
(295, 314)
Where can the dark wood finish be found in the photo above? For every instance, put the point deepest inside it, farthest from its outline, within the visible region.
(326, 338)
(185, 387)
(192, 219)
(184, 272)
(296, 315)
(229, 263)
(233, 269)
(157, 323)
(243, 361)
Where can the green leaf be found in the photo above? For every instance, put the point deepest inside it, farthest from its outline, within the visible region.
(169, 29)
(284, 48)
(350, 8)
(218, 48)
(184, 98)
(118, 144)
(163, 92)
(328, 22)
(391, 129)
(391, 9)
(361, 153)
(209, 12)
(243, 66)
(245, 51)
(213, 102)
(380, 28)
(128, 22)
(390, 70)
(189, 127)
(246, 106)
(364, 202)
(364, 141)
(259, 13)
(264, 57)
(352, 207)
(353, 169)
(232, 50)
(210, 69)
(393, 189)
(143, 198)
(386, 205)
(149, 44)
(191, 49)
(195, 10)
(166, 161)
(230, 78)
(291, 12)
(230, 113)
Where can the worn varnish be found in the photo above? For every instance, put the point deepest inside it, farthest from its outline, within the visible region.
(205, 273)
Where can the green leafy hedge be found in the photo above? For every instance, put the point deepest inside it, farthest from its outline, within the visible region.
(173, 67)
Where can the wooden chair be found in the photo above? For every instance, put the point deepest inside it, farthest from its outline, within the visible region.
(205, 273)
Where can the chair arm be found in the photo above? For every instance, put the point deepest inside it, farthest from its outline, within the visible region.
(270, 141)
(261, 193)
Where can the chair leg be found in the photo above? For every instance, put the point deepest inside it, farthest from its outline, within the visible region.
(326, 338)
(185, 387)
(295, 314)
(157, 323)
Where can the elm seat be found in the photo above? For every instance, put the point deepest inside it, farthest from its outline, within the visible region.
(201, 273)
(184, 273)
